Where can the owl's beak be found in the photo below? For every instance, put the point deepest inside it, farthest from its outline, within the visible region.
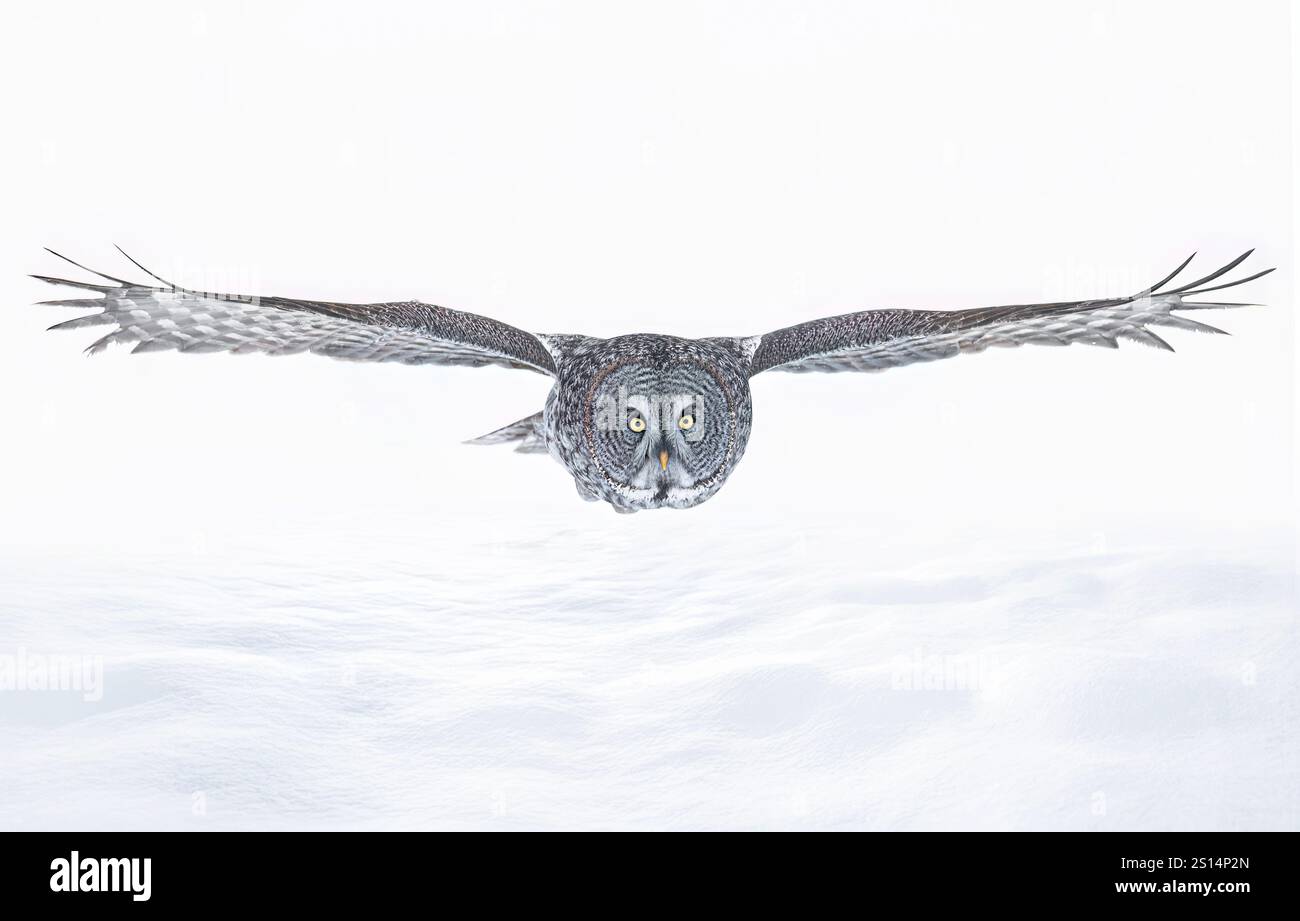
(663, 460)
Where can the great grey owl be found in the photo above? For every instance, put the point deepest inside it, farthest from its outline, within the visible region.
(640, 421)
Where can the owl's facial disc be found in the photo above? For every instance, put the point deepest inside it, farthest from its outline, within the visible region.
(661, 435)
(662, 454)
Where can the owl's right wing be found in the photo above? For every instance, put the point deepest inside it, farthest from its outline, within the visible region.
(873, 340)
(156, 317)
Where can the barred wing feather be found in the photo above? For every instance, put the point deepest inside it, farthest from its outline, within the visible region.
(167, 316)
(874, 340)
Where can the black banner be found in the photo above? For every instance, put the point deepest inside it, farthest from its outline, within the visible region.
(75, 871)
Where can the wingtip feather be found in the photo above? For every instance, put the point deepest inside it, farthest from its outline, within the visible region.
(134, 262)
(1230, 284)
(1167, 279)
(88, 286)
(86, 269)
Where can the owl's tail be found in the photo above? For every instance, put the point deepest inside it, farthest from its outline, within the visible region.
(527, 433)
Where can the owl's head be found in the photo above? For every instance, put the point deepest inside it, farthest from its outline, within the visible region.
(664, 425)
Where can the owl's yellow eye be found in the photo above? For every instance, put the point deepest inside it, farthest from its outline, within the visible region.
(685, 422)
(636, 424)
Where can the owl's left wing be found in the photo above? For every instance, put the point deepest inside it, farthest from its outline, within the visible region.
(873, 340)
(156, 317)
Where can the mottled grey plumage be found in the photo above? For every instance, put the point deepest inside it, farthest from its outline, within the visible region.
(640, 421)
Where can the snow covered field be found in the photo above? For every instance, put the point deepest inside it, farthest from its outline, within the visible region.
(616, 676)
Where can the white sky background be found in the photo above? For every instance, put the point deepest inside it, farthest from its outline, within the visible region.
(699, 169)
(689, 170)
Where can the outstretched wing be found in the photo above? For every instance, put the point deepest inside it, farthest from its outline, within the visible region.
(873, 340)
(167, 316)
